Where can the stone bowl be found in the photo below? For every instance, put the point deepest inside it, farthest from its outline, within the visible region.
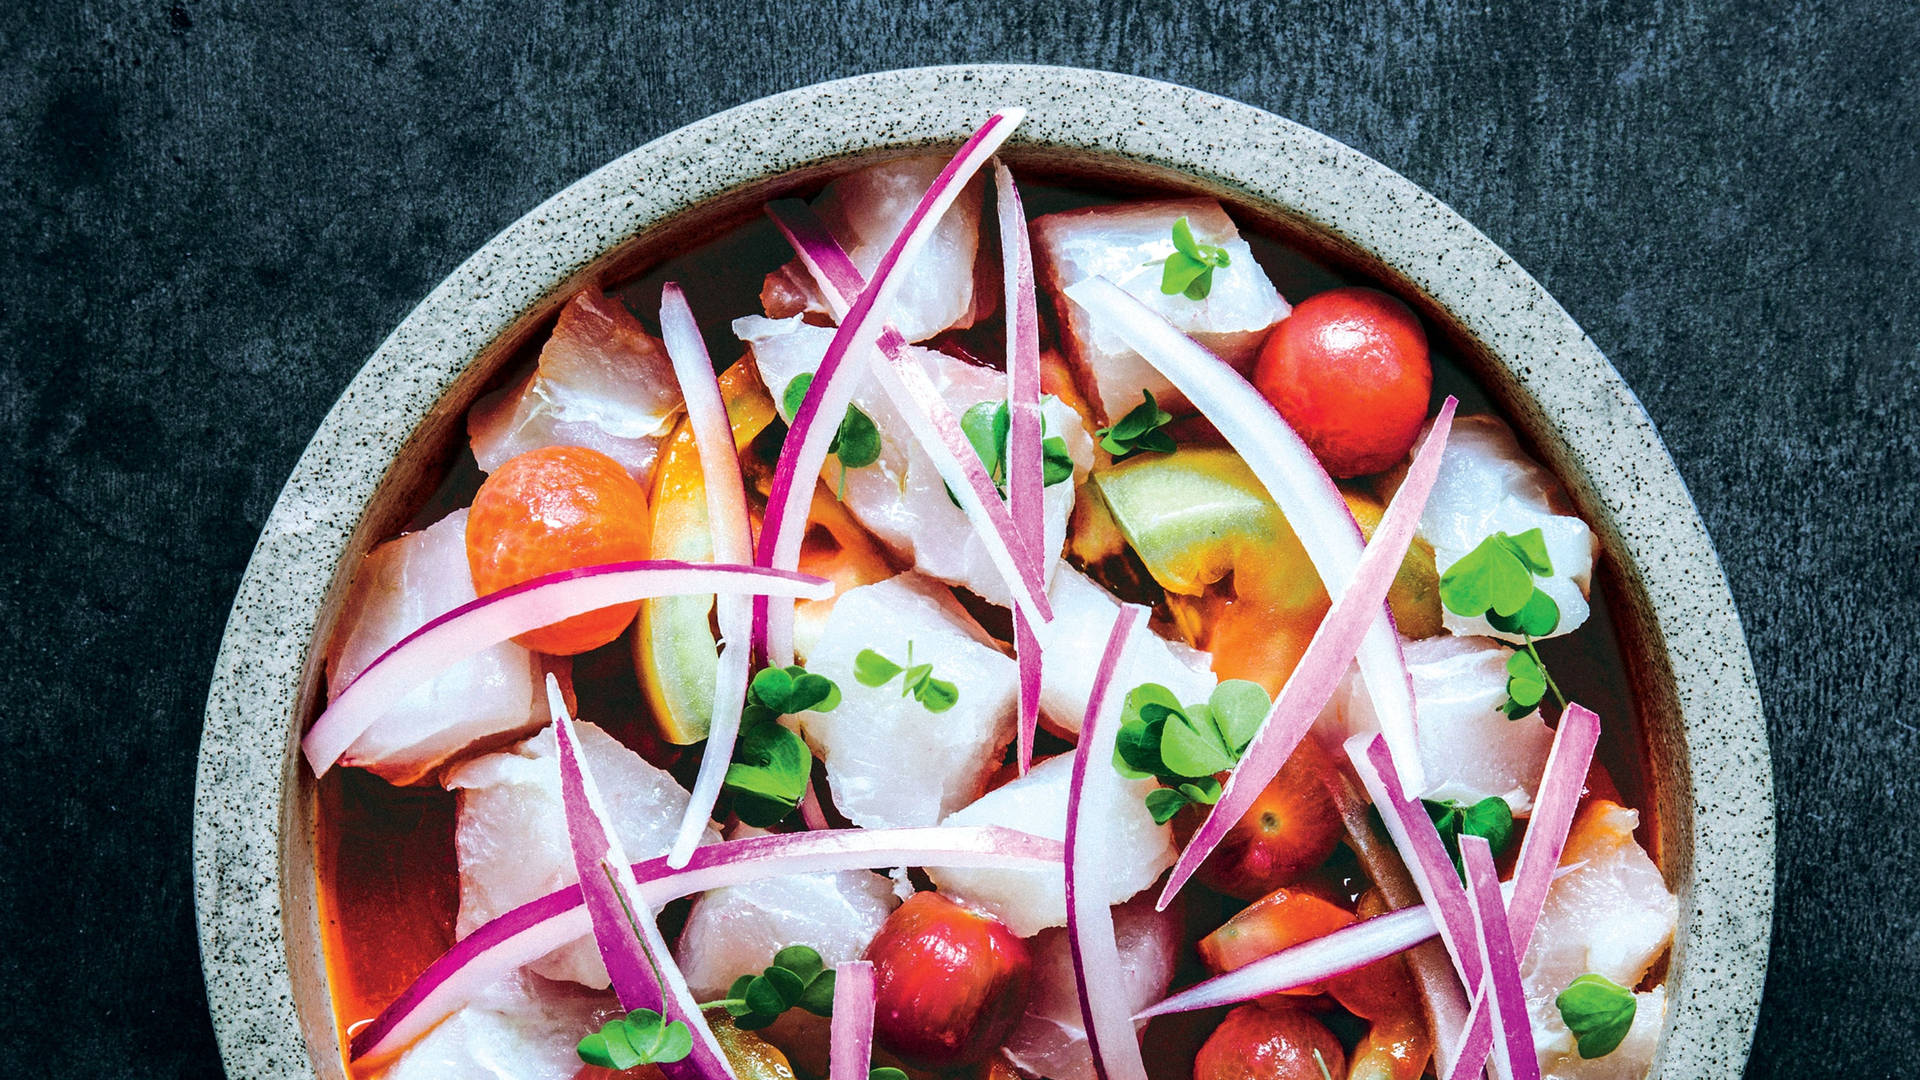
(375, 454)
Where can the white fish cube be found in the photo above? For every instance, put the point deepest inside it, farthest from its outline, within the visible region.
(737, 930)
(1051, 1038)
(1083, 615)
(890, 761)
(1128, 244)
(404, 584)
(511, 832)
(1133, 848)
(520, 1028)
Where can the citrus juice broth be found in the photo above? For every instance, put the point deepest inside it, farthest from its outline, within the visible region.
(388, 882)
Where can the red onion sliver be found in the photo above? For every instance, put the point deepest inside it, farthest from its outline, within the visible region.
(812, 814)
(1476, 1041)
(537, 927)
(1026, 454)
(1554, 804)
(932, 421)
(1291, 475)
(481, 624)
(1328, 655)
(732, 543)
(1099, 975)
(1420, 845)
(850, 1046)
(642, 968)
(1511, 1023)
(834, 384)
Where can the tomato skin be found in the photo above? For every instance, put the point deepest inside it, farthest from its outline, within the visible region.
(1291, 828)
(951, 983)
(1258, 1043)
(1282, 919)
(1349, 369)
(552, 509)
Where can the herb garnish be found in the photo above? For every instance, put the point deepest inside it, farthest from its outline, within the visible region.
(856, 443)
(797, 977)
(1139, 430)
(987, 424)
(1184, 746)
(1325, 1073)
(642, 1037)
(1190, 268)
(935, 695)
(1490, 819)
(1598, 1012)
(771, 764)
(1496, 580)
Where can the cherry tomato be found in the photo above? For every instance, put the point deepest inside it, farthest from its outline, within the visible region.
(1397, 1044)
(1291, 828)
(558, 508)
(1281, 920)
(951, 982)
(1349, 370)
(1258, 1043)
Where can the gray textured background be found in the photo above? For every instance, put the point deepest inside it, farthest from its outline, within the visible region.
(213, 211)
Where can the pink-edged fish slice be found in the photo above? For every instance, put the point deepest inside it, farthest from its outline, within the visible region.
(833, 387)
(480, 624)
(732, 529)
(1099, 974)
(1026, 452)
(638, 961)
(1335, 643)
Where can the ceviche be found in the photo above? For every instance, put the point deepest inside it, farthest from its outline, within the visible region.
(1013, 631)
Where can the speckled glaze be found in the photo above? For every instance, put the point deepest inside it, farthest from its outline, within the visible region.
(253, 826)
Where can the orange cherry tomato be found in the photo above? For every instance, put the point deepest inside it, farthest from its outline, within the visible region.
(552, 509)
(1291, 828)
(1258, 1043)
(1349, 370)
(1284, 918)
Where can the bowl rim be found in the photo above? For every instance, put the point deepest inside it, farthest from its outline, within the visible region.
(1590, 426)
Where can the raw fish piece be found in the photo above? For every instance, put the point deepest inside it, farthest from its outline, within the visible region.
(1468, 748)
(864, 211)
(1051, 1039)
(737, 930)
(520, 1028)
(1083, 615)
(900, 498)
(890, 762)
(1614, 917)
(1487, 484)
(511, 833)
(1127, 243)
(402, 585)
(603, 383)
(1029, 901)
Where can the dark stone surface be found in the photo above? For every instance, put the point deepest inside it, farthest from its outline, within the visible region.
(213, 211)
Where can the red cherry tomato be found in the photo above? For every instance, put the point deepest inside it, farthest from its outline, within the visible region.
(552, 509)
(1349, 370)
(951, 982)
(1258, 1043)
(1291, 828)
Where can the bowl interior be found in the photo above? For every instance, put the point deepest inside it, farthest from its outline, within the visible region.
(402, 423)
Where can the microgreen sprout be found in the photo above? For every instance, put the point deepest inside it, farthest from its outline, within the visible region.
(1490, 819)
(987, 424)
(796, 978)
(1140, 429)
(1190, 268)
(857, 441)
(1496, 580)
(771, 764)
(1598, 1012)
(916, 680)
(642, 1037)
(1185, 746)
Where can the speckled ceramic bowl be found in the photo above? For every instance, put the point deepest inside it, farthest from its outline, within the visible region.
(254, 818)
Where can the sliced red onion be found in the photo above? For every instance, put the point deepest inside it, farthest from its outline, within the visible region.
(481, 624)
(540, 926)
(1026, 465)
(1291, 475)
(932, 421)
(642, 969)
(1476, 1042)
(727, 517)
(812, 814)
(1099, 975)
(1328, 655)
(1512, 1027)
(834, 384)
(1554, 804)
(850, 1046)
(1420, 846)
